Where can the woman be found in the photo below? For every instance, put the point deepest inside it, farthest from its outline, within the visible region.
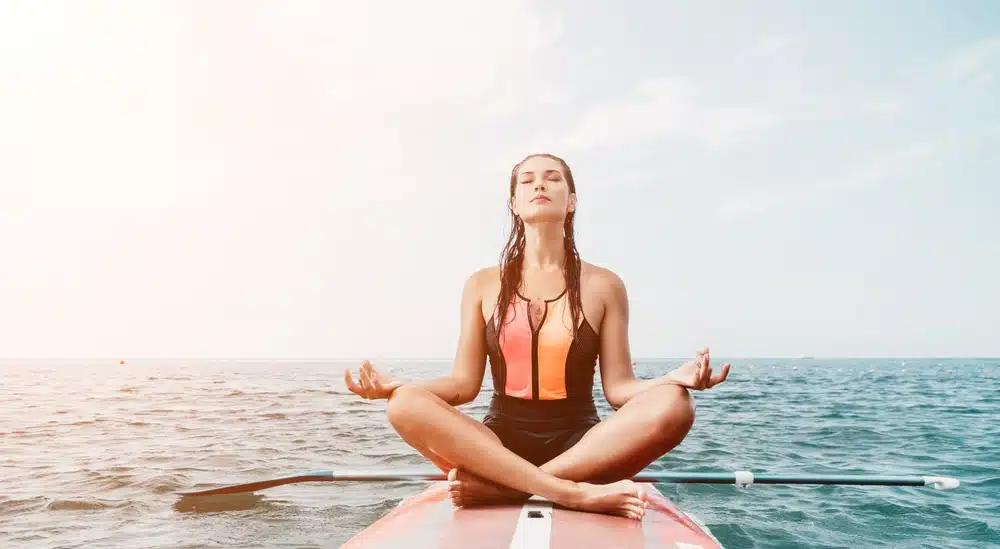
(543, 317)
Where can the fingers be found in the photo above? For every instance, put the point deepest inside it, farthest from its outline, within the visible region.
(721, 377)
(704, 371)
(700, 372)
(368, 385)
(706, 379)
(367, 378)
(351, 385)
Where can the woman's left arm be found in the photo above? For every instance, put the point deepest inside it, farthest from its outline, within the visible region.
(617, 377)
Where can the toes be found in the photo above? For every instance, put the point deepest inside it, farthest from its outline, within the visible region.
(642, 495)
(629, 514)
(638, 502)
(454, 488)
(635, 510)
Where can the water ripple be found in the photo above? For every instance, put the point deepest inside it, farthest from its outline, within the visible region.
(107, 447)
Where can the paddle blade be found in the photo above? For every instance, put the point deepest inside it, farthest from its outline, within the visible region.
(324, 476)
(263, 484)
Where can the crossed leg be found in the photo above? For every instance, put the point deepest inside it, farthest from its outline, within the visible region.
(452, 439)
(646, 427)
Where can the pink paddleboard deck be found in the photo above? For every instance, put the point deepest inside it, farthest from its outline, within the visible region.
(429, 521)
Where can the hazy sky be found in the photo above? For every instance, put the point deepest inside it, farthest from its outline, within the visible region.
(318, 179)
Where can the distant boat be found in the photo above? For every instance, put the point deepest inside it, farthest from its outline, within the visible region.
(804, 357)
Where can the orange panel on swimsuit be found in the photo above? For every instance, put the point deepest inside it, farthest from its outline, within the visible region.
(535, 366)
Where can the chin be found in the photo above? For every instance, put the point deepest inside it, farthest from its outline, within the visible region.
(544, 214)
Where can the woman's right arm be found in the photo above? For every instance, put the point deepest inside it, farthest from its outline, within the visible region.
(462, 385)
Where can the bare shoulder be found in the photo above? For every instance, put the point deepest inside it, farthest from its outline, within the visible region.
(484, 284)
(485, 277)
(602, 280)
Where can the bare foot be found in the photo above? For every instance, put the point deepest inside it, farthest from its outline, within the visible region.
(467, 490)
(623, 498)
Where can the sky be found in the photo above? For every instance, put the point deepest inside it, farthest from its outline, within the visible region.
(318, 179)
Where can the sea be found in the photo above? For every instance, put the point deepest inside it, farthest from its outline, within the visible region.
(93, 453)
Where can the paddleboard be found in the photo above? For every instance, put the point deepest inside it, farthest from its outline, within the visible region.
(429, 520)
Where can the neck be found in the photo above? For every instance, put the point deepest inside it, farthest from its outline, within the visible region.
(543, 246)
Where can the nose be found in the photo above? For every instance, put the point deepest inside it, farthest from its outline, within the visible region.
(540, 185)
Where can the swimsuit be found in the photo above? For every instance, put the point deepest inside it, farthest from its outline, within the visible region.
(543, 380)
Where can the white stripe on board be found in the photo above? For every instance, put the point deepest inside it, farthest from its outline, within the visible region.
(534, 526)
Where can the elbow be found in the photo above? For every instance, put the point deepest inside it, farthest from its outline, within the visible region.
(466, 396)
(614, 398)
(619, 391)
(467, 392)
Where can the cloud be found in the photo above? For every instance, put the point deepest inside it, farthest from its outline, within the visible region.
(761, 201)
(428, 53)
(890, 167)
(664, 108)
(165, 103)
(245, 160)
(977, 63)
(357, 80)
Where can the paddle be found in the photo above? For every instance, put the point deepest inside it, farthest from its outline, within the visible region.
(742, 479)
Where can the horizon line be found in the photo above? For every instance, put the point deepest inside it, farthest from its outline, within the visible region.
(440, 359)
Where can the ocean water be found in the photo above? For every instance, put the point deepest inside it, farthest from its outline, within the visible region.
(92, 452)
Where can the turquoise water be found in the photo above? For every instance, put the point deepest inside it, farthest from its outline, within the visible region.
(92, 453)
(856, 417)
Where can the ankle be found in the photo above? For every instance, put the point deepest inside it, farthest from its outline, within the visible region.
(569, 493)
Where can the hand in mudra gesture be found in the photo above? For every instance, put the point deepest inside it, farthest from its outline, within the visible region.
(697, 374)
(371, 384)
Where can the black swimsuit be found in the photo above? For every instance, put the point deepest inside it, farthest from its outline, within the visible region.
(543, 380)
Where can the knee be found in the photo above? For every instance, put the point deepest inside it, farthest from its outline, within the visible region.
(401, 406)
(673, 411)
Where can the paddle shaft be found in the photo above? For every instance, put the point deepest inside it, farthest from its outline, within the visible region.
(734, 478)
(739, 478)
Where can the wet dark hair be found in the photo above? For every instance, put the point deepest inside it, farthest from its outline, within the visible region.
(512, 256)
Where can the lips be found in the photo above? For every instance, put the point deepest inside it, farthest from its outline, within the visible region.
(541, 199)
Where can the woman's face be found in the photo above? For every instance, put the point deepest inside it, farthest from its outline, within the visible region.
(541, 192)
